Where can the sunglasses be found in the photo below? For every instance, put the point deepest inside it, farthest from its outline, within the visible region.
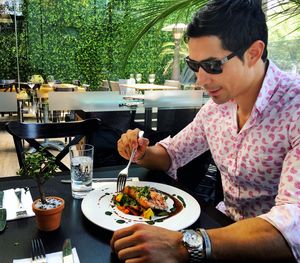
(211, 66)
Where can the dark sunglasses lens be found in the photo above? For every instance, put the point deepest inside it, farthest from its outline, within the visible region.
(193, 65)
(212, 67)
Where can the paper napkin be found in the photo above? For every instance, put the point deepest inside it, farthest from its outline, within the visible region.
(51, 258)
(11, 203)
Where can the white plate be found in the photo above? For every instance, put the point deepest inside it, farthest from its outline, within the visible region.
(98, 207)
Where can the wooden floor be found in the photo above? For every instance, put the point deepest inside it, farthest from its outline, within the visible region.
(8, 157)
(9, 164)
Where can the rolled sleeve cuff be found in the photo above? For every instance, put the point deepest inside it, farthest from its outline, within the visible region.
(172, 171)
(286, 218)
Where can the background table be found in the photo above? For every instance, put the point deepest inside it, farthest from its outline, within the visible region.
(91, 241)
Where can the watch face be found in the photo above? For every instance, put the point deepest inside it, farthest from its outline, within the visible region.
(192, 238)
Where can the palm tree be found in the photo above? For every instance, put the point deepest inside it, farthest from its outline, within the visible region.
(153, 13)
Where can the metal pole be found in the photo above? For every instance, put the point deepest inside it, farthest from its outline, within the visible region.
(176, 61)
(17, 45)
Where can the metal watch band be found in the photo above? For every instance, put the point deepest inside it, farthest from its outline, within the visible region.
(207, 243)
(197, 254)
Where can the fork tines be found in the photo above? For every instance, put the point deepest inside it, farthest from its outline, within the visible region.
(122, 178)
(38, 250)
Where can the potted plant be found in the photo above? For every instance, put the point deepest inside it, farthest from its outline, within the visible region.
(48, 210)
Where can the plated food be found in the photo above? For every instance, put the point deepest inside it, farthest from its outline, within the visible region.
(141, 202)
(144, 201)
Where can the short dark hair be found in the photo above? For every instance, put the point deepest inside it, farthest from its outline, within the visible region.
(238, 23)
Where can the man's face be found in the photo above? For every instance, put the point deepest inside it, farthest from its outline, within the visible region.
(231, 83)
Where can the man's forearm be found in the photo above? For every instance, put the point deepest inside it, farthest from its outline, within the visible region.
(249, 240)
(156, 158)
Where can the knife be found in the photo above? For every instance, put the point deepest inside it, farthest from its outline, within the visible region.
(98, 180)
(2, 213)
(67, 252)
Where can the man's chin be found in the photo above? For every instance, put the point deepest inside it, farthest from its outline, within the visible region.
(219, 100)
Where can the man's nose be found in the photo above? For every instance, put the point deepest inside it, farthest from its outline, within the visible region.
(203, 78)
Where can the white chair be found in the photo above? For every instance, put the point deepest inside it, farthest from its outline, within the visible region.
(104, 85)
(124, 89)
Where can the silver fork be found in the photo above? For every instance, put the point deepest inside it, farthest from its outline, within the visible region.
(123, 174)
(21, 210)
(38, 251)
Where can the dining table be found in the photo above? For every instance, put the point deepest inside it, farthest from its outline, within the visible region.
(142, 87)
(91, 241)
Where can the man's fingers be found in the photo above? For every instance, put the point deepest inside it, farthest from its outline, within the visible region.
(124, 232)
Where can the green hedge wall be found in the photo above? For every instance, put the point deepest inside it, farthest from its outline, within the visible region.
(83, 40)
(86, 40)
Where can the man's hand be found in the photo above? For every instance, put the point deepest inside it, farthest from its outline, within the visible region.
(145, 243)
(130, 141)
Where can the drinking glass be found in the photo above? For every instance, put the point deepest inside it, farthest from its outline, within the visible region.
(81, 158)
(151, 78)
(132, 79)
(32, 94)
(138, 78)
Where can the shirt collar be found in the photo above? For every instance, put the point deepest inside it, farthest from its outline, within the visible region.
(269, 86)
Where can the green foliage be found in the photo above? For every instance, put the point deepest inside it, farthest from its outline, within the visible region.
(85, 40)
(168, 54)
(90, 40)
(41, 167)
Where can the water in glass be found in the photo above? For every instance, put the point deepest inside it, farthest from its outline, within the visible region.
(81, 171)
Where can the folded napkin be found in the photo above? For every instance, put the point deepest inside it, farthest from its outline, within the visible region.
(12, 204)
(51, 258)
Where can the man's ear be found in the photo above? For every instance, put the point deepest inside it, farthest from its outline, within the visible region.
(254, 52)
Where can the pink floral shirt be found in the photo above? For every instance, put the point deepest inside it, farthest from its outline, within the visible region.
(260, 165)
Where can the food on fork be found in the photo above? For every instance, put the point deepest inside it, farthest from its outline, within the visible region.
(141, 201)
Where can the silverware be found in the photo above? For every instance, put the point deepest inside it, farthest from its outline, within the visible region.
(67, 252)
(38, 253)
(98, 180)
(123, 174)
(2, 213)
(21, 210)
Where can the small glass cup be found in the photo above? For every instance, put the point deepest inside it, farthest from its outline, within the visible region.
(81, 158)
(138, 78)
(151, 78)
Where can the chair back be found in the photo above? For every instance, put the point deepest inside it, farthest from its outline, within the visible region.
(124, 89)
(105, 85)
(30, 132)
(8, 85)
(114, 86)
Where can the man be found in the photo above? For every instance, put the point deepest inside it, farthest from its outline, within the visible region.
(252, 127)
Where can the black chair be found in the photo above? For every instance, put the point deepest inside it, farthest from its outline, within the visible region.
(7, 85)
(30, 132)
(116, 123)
(202, 176)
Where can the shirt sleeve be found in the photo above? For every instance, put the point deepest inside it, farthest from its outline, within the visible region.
(285, 215)
(187, 144)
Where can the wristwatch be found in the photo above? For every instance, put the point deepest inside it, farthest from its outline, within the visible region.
(193, 242)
